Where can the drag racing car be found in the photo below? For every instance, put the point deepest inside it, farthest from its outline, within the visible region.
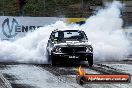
(69, 46)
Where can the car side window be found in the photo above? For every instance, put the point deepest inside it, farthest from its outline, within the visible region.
(54, 36)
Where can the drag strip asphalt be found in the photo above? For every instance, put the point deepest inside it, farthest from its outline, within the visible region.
(47, 76)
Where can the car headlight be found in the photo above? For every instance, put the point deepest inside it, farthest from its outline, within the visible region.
(89, 49)
(58, 50)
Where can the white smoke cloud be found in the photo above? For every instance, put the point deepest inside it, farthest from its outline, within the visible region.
(29, 49)
(104, 30)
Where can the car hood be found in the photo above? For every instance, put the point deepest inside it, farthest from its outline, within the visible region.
(72, 43)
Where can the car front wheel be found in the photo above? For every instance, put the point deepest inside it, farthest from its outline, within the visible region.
(53, 61)
(90, 62)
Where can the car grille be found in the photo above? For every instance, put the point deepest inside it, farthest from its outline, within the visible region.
(73, 49)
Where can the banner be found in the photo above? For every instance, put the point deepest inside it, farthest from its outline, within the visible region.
(14, 27)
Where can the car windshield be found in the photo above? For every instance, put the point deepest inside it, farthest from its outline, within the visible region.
(70, 35)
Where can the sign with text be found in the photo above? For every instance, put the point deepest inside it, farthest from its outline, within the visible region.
(13, 27)
(83, 78)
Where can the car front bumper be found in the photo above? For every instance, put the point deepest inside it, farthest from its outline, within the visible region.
(73, 57)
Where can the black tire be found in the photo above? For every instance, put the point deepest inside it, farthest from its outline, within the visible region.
(48, 56)
(90, 62)
(53, 61)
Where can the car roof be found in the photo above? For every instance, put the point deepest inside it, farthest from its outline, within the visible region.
(66, 30)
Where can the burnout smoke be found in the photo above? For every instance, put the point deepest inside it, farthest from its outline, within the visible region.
(29, 49)
(104, 30)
